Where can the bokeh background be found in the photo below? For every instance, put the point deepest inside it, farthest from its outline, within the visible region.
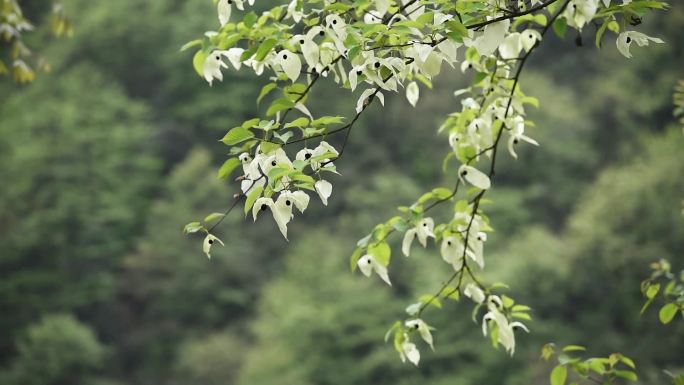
(103, 160)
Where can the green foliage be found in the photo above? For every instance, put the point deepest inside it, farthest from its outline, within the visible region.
(57, 350)
(577, 370)
(214, 359)
(672, 292)
(74, 193)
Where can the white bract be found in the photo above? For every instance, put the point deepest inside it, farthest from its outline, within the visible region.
(368, 264)
(423, 329)
(324, 190)
(290, 63)
(494, 318)
(422, 230)
(208, 242)
(624, 41)
(409, 351)
(212, 66)
(474, 292)
(474, 176)
(580, 12)
(518, 134)
(452, 251)
(412, 93)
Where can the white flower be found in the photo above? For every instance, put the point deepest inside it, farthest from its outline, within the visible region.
(423, 329)
(371, 18)
(474, 176)
(423, 231)
(300, 199)
(409, 351)
(234, 54)
(492, 37)
(324, 190)
(506, 335)
(293, 12)
(367, 264)
(309, 48)
(290, 63)
(529, 38)
(281, 210)
(412, 93)
(625, 39)
(452, 252)
(211, 69)
(224, 9)
(474, 292)
(477, 247)
(580, 12)
(208, 241)
(364, 99)
(511, 46)
(518, 134)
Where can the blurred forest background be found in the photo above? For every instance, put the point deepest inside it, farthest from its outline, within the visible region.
(106, 158)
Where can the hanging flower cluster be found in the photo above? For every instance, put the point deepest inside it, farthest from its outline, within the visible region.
(377, 47)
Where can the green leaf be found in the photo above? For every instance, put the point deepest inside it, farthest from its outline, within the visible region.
(626, 374)
(191, 44)
(265, 90)
(252, 196)
(519, 315)
(455, 25)
(381, 252)
(327, 120)
(265, 48)
(574, 348)
(558, 375)
(652, 291)
(355, 258)
(198, 62)
(628, 361)
(279, 105)
(668, 312)
(213, 216)
(560, 26)
(431, 300)
(284, 137)
(237, 135)
(193, 227)
(299, 122)
(228, 167)
(269, 147)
